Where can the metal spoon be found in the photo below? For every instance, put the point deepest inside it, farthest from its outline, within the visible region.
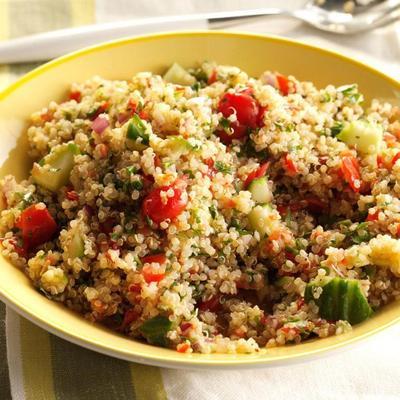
(328, 15)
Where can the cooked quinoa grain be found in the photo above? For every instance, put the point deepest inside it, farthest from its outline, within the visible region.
(208, 211)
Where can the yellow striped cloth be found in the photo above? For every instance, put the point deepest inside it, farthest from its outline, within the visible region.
(35, 365)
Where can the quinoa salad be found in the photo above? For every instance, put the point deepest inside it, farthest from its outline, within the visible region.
(209, 211)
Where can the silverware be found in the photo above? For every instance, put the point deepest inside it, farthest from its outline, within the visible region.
(330, 15)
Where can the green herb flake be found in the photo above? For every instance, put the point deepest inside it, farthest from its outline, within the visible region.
(201, 76)
(326, 97)
(222, 167)
(73, 148)
(196, 86)
(137, 129)
(213, 211)
(137, 185)
(337, 127)
(226, 124)
(131, 170)
(189, 173)
(351, 93)
(93, 112)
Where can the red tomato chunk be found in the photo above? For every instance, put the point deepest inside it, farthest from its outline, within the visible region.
(290, 166)
(351, 172)
(247, 112)
(258, 173)
(154, 258)
(283, 83)
(157, 210)
(150, 275)
(37, 226)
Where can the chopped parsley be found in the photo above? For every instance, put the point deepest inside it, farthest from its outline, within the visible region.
(226, 124)
(137, 185)
(131, 170)
(222, 167)
(337, 127)
(351, 93)
(213, 211)
(189, 173)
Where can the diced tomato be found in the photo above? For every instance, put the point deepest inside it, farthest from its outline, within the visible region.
(122, 117)
(283, 83)
(185, 326)
(108, 225)
(132, 106)
(150, 276)
(380, 161)
(130, 316)
(244, 105)
(389, 139)
(102, 108)
(18, 248)
(134, 288)
(72, 195)
(37, 225)
(228, 203)
(293, 207)
(158, 210)
(212, 304)
(314, 204)
(300, 302)
(47, 116)
(247, 112)
(373, 216)
(144, 115)
(157, 161)
(239, 132)
(88, 210)
(293, 330)
(290, 256)
(213, 77)
(398, 230)
(155, 258)
(289, 165)
(102, 150)
(351, 172)
(75, 95)
(260, 116)
(211, 169)
(258, 173)
(264, 319)
(395, 158)
(183, 347)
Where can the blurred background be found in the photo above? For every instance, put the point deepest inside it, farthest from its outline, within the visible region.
(380, 47)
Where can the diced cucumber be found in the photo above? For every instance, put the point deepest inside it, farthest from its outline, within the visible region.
(341, 299)
(54, 170)
(262, 219)
(365, 136)
(177, 146)
(156, 329)
(76, 247)
(178, 75)
(360, 309)
(137, 130)
(260, 190)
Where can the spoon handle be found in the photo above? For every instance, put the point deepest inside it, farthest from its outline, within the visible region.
(47, 45)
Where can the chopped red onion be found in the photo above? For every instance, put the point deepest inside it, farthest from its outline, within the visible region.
(100, 124)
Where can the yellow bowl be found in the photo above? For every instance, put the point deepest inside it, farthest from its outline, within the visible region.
(120, 60)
